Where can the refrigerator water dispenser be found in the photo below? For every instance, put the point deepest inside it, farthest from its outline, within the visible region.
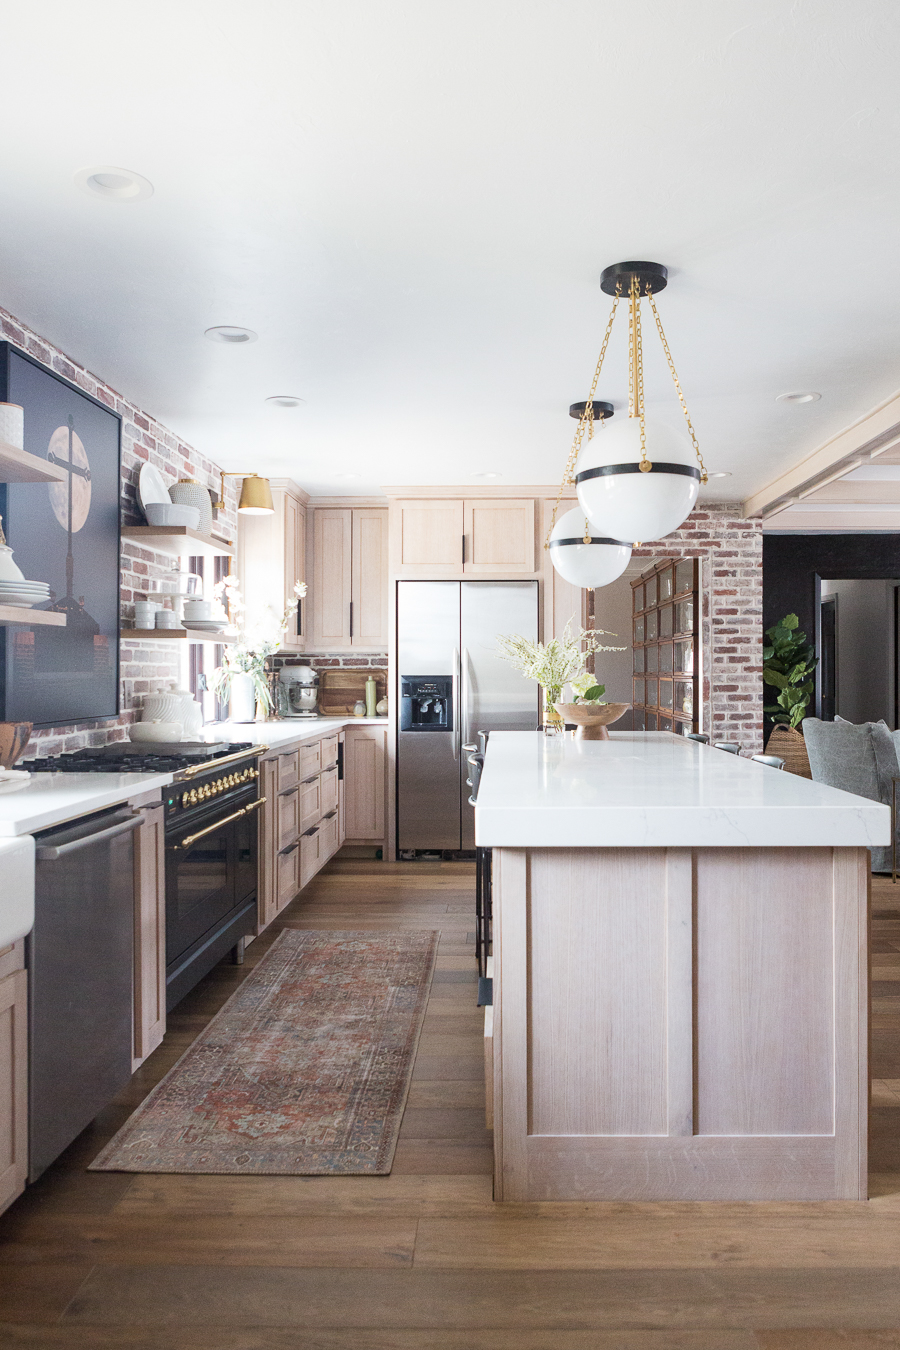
(426, 703)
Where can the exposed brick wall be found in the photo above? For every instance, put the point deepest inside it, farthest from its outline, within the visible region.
(318, 660)
(145, 666)
(730, 553)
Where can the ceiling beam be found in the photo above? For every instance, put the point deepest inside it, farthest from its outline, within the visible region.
(833, 522)
(855, 492)
(875, 433)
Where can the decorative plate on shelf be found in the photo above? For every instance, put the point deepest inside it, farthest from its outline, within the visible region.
(151, 487)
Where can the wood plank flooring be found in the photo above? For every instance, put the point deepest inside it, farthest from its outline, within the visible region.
(423, 1259)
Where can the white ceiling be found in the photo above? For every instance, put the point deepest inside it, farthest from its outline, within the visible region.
(412, 204)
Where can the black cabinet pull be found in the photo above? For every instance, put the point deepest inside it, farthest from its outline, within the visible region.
(464, 550)
(351, 618)
(299, 618)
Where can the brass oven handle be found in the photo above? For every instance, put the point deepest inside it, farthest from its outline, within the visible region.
(226, 759)
(235, 815)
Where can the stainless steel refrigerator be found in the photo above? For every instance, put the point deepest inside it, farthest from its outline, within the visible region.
(453, 684)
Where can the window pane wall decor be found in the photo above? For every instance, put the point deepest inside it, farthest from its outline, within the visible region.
(665, 636)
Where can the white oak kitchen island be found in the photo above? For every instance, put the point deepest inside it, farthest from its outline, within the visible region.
(680, 972)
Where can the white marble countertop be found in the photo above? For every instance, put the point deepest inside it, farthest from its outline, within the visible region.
(286, 730)
(654, 789)
(51, 798)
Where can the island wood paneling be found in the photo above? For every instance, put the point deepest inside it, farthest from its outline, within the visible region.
(680, 1024)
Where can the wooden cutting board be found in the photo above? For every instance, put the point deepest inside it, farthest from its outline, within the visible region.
(340, 689)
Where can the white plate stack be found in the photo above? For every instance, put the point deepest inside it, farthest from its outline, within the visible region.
(24, 594)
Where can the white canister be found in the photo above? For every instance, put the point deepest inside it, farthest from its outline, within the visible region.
(145, 614)
(190, 715)
(188, 492)
(12, 424)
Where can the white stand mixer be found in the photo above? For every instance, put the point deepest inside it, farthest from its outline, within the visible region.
(298, 692)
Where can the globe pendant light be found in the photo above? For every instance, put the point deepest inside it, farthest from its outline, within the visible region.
(582, 557)
(640, 479)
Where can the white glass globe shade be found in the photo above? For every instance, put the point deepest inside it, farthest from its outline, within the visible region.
(586, 565)
(629, 504)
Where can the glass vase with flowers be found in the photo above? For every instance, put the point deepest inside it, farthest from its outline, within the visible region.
(243, 668)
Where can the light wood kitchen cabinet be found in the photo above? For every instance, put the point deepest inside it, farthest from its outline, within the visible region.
(329, 789)
(268, 893)
(288, 816)
(288, 866)
(13, 1075)
(149, 933)
(310, 860)
(481, 536)
(272, 557)
(499, 536)
(350, 577)
(310, 803)
(364, 783)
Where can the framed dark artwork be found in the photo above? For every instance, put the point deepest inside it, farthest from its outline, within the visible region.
(66, 534)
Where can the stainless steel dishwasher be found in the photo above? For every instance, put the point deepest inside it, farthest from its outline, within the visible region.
(80, 958)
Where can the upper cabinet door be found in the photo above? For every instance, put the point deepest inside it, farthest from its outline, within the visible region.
(332, 544)
(369, 581)
(294, 569)
(563, 602)
(499, 536)
(427, 535)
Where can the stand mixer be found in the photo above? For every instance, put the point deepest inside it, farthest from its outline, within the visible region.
(298, 692)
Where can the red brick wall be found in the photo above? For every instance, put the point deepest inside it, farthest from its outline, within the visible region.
(730, 553)
(147, 666)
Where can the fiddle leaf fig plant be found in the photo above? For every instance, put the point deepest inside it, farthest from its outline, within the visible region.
(788, 665)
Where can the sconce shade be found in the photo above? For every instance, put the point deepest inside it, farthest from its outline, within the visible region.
(620, 500)
(585, 565)
(256, 497)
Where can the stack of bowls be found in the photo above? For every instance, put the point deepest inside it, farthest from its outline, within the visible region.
(168, 619)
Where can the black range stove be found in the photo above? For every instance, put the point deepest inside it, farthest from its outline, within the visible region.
(211, 843)
(136, 757)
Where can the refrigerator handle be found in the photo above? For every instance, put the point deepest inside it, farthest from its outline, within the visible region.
(465, 695)
(455, 699)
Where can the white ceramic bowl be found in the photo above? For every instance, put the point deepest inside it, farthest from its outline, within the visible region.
(198, 609)
(155, 731)
(169, 513)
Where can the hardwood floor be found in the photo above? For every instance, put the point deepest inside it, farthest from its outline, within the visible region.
(422, 1259)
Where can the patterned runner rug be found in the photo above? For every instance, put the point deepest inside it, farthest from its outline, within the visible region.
(304, 1071)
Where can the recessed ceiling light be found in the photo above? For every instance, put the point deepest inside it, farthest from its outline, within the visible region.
(487, 475)
(720, 473)
(233, 336)
(115, 185)
(803, 396)
(285, 400)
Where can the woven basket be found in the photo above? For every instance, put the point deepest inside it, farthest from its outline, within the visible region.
(790, 746)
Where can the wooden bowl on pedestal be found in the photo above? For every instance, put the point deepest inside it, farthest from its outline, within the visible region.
(591, 719)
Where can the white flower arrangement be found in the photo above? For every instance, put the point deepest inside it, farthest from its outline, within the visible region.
(558, 662)
(255, 642)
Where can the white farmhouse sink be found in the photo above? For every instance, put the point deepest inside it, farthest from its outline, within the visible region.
(16, 888)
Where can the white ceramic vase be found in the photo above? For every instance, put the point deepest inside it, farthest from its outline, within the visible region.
(242, 707)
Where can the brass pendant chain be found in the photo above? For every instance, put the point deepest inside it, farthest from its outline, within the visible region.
(662, 337)
(585, 422)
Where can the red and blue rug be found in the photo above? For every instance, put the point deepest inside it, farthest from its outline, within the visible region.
(305, 1070)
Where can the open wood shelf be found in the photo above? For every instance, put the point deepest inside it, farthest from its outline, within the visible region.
(32, 617)
(172, 635)
(18, 466)
(178, 541)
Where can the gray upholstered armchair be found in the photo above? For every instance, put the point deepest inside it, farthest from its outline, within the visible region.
(861, 759)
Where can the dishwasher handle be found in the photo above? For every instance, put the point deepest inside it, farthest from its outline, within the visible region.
(50, 852)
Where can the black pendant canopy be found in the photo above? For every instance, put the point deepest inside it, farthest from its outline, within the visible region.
(601, 410)
(649, 275)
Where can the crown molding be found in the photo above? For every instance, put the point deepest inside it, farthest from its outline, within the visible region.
(469, 490)
(288, 485)
(347, 502)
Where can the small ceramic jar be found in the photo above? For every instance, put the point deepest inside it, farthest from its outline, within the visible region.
(188, 492)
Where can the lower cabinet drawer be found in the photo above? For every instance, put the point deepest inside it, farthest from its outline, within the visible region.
(287, 880)
(288, 769)
(309, 854)
(330, 790)
(328, 835)
(288, 819)
(329, 746)
(310, 759)
(310, 803)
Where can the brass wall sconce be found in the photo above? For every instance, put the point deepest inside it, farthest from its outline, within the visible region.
(256, 495)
